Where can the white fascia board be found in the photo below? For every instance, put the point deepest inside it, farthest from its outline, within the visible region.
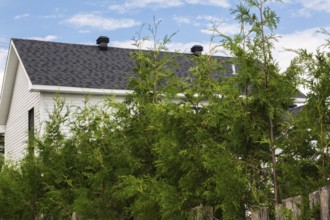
(300, 100)
(24, 70)
(8, 83)
(2, 129)
(182, 95)
(78, 90)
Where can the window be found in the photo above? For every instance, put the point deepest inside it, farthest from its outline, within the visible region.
(31, 122)
(2, 144)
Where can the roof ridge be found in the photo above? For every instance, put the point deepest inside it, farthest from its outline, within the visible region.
(52, 42)
(110, 46)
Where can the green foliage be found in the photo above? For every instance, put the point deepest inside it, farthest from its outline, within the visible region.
(306, 144)
(176, 144)
(11, 192)
(267, 95)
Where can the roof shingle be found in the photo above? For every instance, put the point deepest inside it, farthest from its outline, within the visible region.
(85, 66)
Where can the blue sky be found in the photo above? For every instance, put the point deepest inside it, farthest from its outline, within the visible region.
(82, 21)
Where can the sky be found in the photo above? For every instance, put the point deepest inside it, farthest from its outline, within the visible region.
(83, 21)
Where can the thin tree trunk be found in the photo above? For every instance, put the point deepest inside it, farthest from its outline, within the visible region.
(271, 134)
(271, 126)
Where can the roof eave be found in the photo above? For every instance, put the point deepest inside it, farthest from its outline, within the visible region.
(300, 100)
(2, 129)
(78, 90)
(8, 83)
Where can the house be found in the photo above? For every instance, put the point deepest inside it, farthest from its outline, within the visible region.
(37, 70)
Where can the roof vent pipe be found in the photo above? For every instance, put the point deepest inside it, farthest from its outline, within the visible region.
(102, 42)
(197, 50)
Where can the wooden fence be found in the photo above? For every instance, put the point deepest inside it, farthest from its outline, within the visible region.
(293, 208)
(290, 209)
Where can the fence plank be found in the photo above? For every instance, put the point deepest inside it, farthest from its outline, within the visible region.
(278, 212)
(290, 208)
(325, 202)
(202, 212)
(314, 204)
(74, 216)
(260, 214)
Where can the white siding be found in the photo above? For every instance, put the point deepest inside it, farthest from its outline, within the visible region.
(17, 123)
(71, 100)
(16, 135)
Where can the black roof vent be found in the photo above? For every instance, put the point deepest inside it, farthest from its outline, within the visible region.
(102, 42)
(197, 50)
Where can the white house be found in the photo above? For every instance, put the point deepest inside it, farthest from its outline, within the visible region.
(37, 70)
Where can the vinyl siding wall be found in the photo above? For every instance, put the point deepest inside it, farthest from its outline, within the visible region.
(71, 100)
(22, 101)
(16, 135)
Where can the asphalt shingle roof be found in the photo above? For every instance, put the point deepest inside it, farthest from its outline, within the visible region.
(296, 110)
(76, 65)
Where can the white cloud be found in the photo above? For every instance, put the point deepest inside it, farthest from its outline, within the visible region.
(84, 31)
(182, 19)
(21, 16)
(186, 20)
(209, 48)
(46, 38)
(207, 17)
(145, 45)
(210, 23)
(221, 27)
(316, 5)
(307, 39)
(134, 4)
(57, 13)
(306, 13)
(284, 57)
(52, 16)
(123, 44)
(99, 22)
(308, 6)
(174, 46)
(218, 3)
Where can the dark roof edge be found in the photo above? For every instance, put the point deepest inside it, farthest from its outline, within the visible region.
(123, 48)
